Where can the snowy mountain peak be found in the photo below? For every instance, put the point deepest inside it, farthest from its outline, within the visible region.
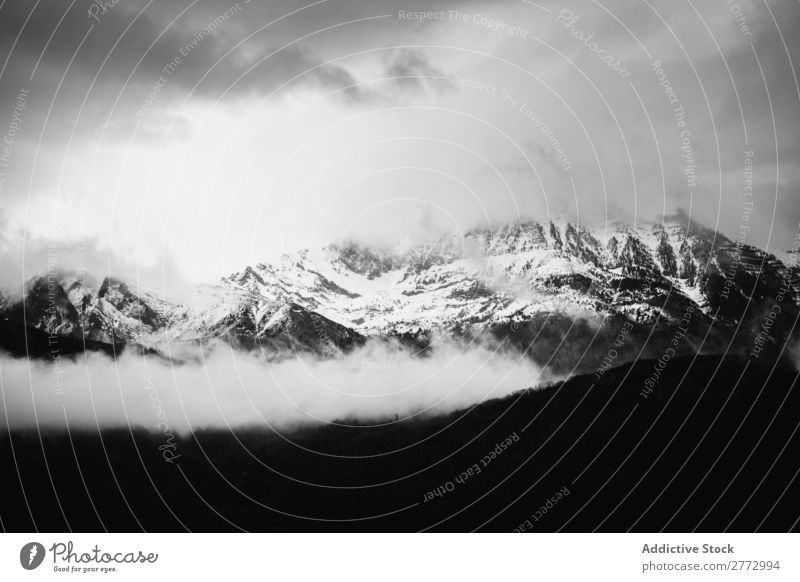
(324, 300)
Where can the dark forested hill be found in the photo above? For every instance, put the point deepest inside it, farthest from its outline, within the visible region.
(713, 446)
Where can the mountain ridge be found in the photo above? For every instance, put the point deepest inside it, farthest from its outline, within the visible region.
(508, 284)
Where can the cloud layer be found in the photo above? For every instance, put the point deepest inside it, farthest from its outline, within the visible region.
(234, 389)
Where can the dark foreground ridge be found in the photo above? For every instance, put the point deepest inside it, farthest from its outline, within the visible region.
(713, 447)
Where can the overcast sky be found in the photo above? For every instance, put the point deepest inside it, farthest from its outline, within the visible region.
(194, 137)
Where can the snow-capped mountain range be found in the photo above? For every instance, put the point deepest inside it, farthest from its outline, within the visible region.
(531, 284)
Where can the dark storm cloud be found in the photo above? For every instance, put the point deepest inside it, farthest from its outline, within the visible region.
(214, 49)
(133, 43)
(123, 72)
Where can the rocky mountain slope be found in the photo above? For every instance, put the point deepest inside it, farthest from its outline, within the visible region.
(560, 293)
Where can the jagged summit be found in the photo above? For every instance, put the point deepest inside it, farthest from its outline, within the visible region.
(470, 284)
